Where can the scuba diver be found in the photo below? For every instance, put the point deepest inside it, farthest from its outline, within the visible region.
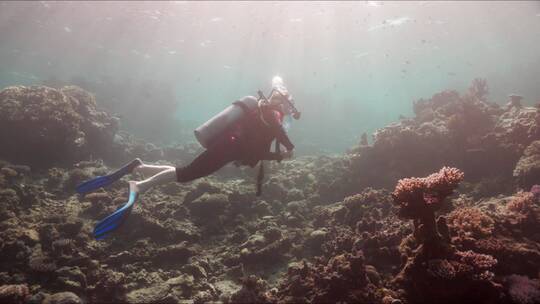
(242, 133)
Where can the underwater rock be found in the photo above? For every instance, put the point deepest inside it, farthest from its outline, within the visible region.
(63, 298)
(109, 286)
(182, 286)
(76, 177)
(42, 264)
(9, 173)
(55, 178)
(254, 290)
(201, 188)
(98, 198)
(30, 237)
(9, 197)
(173, 254)
(209, 205)
(144, 224)
(71, 279)
(153, 294)
(316, 239)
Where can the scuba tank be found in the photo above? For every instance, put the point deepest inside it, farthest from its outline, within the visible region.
(210, 131)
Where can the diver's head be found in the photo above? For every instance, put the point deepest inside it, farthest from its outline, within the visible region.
(281, 99)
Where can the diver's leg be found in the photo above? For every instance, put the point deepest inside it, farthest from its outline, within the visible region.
(149, 170)
(163, 177)
(208, 162)
(205, 164)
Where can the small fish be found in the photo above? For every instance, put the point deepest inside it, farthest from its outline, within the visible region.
(373, 3)
(205, 43)
(360, 55)
(67, 29)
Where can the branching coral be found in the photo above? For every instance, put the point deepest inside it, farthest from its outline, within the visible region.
(478, 261)
(419, 198)
(436, 260)
(522, 203)
(470, 222)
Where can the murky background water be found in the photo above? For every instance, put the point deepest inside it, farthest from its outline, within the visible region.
(352, 67)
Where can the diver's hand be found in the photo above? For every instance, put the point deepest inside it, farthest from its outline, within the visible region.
(287, 154)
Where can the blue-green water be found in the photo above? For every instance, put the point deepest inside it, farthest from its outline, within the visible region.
(352, 67)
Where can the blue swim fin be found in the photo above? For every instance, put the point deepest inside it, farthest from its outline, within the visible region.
(116, 219)
(103, 181)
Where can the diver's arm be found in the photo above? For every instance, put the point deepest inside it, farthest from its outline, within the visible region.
(282, 137)
(280, 133)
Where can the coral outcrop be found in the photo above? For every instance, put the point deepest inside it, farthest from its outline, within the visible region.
(437, 271)
(41, 125)
(466, 131)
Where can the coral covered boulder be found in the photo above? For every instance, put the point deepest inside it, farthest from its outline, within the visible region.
(41, 125)
(527, 171)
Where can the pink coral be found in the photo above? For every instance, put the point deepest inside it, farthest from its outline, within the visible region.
(477, 260)
(419, 198)
(470, 222)
(417, 193)
(444, 182)
(13, 293)
(522, 203)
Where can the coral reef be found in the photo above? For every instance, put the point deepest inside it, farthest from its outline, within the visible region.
(465, 131)
(326, 229)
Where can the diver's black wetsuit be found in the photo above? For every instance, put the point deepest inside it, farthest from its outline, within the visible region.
(249, 142)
